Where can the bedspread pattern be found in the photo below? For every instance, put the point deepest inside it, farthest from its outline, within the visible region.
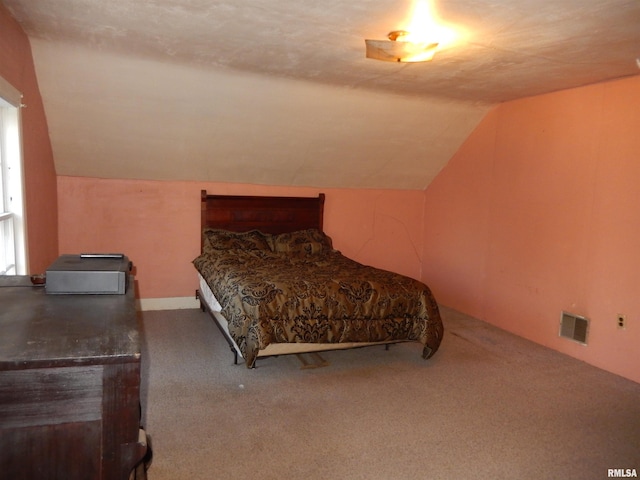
(270, 297)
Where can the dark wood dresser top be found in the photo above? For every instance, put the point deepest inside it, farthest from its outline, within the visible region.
(45, 330)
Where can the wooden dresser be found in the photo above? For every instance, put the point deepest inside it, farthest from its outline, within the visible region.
(69, 384)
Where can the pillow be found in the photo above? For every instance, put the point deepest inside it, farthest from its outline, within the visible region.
(309, 242)
(215, 239)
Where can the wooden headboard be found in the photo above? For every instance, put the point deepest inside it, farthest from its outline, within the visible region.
(273, 215)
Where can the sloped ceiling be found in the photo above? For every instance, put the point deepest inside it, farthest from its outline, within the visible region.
(275, 92)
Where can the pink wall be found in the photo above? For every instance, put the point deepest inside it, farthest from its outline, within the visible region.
(16, 67)
(157, 225)
(539, 212)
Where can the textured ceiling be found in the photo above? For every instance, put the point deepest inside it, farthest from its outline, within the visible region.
(281, 92)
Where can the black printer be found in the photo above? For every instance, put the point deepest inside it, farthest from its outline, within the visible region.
(89, 273)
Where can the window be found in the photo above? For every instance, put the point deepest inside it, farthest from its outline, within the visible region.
(12, 235)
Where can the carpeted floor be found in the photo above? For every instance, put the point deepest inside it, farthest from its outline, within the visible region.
(488, 405)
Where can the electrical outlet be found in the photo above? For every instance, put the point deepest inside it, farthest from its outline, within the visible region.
(622, 321)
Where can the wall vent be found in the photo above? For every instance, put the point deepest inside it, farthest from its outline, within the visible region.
(574, 327)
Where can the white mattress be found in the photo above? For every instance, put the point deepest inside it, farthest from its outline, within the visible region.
(274, 348)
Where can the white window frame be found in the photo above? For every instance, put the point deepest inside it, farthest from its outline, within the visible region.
(13, 244)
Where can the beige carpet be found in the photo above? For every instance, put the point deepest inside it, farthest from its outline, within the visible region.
(488, 405)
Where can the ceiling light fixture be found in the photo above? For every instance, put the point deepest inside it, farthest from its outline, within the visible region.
(418, 41)
(397, 49)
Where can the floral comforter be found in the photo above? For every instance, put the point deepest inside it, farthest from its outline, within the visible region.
(269, 295)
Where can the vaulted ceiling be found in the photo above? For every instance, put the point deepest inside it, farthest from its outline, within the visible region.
(280, 92)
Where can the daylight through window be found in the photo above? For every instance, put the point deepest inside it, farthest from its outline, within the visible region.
(12, 237)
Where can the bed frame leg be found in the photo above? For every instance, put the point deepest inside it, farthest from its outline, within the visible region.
(202, 307)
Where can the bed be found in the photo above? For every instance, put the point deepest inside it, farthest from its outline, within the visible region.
(274, 284)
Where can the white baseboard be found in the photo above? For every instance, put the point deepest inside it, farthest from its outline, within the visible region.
(175, 303)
